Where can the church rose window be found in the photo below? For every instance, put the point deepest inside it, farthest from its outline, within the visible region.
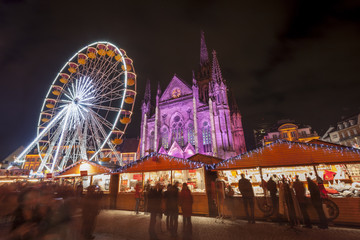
(190, 131)
(206, 134)
(165, 138)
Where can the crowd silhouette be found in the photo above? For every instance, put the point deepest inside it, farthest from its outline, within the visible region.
(52, 211)
(48, 211)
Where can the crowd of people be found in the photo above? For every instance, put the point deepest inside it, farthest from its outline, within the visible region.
(288, 199)
(160, 201)
(48, 210)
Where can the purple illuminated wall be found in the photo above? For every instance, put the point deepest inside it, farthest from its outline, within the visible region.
(193, 119)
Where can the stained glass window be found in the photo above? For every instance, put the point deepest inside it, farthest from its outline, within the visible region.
(165, 138)
(206, 134)
(191, 132)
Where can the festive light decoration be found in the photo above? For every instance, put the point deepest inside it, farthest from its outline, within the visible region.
(153, 156)
(326, 148)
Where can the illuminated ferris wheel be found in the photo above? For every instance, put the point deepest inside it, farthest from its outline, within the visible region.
(87, 108)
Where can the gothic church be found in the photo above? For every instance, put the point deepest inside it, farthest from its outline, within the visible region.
(193, 119)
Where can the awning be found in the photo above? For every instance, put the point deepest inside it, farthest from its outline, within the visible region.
(160, 162)
(75, 169)
(284, 153)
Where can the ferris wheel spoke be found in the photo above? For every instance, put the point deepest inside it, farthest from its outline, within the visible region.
(41, 134)
(61, 139)
(97, 142)
(96, 116)
(101, 107)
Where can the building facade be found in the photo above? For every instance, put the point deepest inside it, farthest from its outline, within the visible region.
(346, 132)
(289, 131)
(193, 119)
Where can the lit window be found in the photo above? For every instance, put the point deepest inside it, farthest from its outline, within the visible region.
(177, 131)
(151, 141)
(190, 131)
(165, 138)
(206, 134)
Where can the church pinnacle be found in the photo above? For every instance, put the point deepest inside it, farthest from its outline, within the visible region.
(216, 72)
(204, 57)
(147, 92)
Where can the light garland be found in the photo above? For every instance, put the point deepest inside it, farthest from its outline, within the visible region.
(192, 164)
(79, 162)
(305, 146)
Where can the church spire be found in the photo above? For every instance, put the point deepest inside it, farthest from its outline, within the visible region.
(204, 57)
(147, 96)
(216, 72)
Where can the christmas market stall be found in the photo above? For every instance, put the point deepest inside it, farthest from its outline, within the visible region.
(89, 173)
(163, 169)
(337, 166)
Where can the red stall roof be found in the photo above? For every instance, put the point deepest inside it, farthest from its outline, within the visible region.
(83, 165)
(160, 162)
(284, 153)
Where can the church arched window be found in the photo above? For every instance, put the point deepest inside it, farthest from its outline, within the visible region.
(151, 141)
(191, 133)
(177, 131)
(165, 138)
(206, 134)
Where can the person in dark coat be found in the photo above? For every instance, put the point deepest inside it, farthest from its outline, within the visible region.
(137, 197)
(271, 187)
(167, 205)
(247, 193)
(174, 208)
(90, 209)
(186, 201)
(317, 202)
(290, 206)
(300, 196)
(154, 207)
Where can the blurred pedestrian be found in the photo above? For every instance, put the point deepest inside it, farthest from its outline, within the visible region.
(271, 186)
(167, 205)
(154, 207)
(186, 201)
(247, 193)
(146, 191)
(229, 199)
(174, 208)
(137, 197)
(290, 206)
(317, 202)
(90, 209)
(26, 217)
(301, 198)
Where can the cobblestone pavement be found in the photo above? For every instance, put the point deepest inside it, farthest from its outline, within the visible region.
(116, 224)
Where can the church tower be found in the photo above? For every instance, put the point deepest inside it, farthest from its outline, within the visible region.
(145, 115)
(204, 74)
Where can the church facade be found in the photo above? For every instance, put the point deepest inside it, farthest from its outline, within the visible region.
(189, 119)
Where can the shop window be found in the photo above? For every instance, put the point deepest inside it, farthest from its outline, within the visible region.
(128, 181)
(191, 133)
(162, 177)
(206, 134)
(103, 181)
(194, 179)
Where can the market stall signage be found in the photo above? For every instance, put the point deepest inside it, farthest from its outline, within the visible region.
(83, 173)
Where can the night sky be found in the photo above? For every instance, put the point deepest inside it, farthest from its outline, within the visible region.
(283, 59)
